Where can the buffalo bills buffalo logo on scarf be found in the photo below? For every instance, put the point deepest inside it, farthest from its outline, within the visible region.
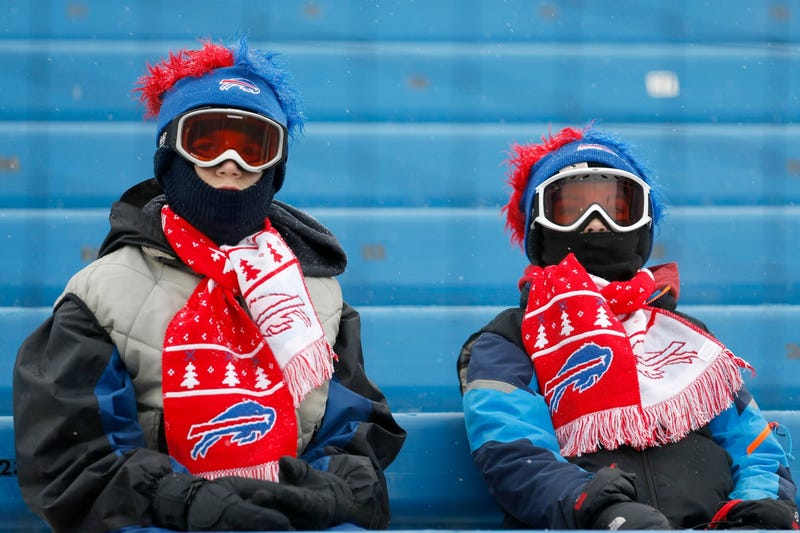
(244, 423)
(582, 370)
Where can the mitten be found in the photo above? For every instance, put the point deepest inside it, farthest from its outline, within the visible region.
(370, 501)
(630, 515)
(756, 514)
(185, 503)
(298, 473)
(608, 502)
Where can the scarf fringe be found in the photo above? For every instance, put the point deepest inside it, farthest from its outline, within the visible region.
(267, 471)
(662, 423)
(309, 369)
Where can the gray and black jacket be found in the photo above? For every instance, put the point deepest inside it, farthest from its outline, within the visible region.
(87, 383)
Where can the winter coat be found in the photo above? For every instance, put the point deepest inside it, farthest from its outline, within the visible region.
(87, 383)
(513, 442)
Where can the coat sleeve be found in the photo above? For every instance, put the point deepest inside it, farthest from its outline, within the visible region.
(358, 437)
(81, 456)
(512, 438)
(759, 466)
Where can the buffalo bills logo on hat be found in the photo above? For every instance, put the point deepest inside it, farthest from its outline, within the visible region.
(582, 370)
(594, 146)
(240, 83)
(245, 423)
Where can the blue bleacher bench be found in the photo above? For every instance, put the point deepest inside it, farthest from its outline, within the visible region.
(77, 165)
(441, 20)
(409, 256)
(410, 351)
(435, 82)
(433, 483)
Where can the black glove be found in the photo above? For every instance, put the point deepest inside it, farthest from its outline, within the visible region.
(352, 483)
(756, 514)
(185, 503)
(607, 502)
(630, 515)
(370, 501)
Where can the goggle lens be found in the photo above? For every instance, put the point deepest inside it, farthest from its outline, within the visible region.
(205, 136)
(567, 198)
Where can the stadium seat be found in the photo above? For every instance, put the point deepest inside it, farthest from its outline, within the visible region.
(411, 351)
(446, 256)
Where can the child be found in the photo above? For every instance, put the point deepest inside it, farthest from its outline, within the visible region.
(595, 404)
(204, 373)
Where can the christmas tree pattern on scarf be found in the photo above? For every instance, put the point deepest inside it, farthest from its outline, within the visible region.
(231, 383)
(614, 371)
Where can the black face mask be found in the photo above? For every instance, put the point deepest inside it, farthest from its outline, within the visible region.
(224, 216)
(612, 256)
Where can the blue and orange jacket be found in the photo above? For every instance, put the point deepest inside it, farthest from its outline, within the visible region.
(513, 442)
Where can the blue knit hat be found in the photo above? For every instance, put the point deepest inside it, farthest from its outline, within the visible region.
(235, 86)
(234, 76)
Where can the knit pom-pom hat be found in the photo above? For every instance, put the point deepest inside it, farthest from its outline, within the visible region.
(215, 75)
(531, 164)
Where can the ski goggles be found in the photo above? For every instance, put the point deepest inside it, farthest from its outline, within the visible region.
(210, 136)
(568, 199)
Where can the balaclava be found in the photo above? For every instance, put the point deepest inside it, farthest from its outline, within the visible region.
(614, 256)
(228, 77)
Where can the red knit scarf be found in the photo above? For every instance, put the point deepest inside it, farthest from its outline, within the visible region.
(614, 371)
(231, 382)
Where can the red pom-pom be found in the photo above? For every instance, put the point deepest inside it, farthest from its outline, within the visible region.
(192, 63)
(521, 162)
